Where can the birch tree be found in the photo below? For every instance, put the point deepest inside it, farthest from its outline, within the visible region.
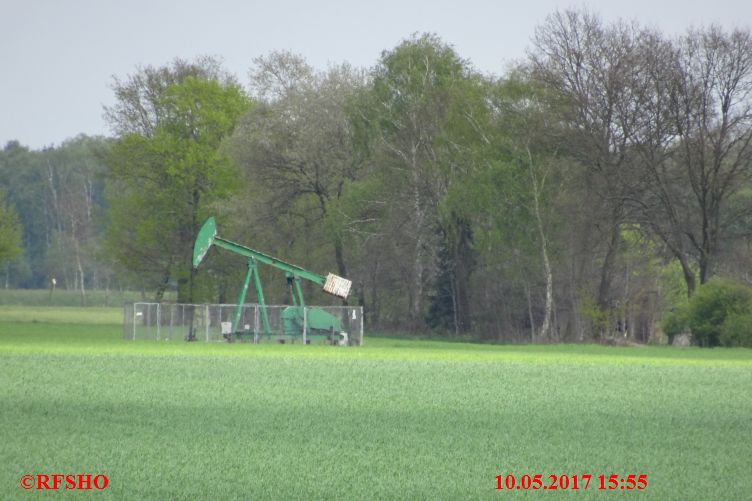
(588, 68)
(417, 118)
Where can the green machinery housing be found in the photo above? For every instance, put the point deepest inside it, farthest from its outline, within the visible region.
(296, 319)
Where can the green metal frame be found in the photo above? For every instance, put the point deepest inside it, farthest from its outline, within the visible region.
(252, 274)
(207, 237)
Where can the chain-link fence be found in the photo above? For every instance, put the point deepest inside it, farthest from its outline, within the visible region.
(340, 325)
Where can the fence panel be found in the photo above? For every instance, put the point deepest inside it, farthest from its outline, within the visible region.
(337, 325)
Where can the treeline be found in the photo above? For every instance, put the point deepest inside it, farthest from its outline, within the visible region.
(584, 194)
(55, 202)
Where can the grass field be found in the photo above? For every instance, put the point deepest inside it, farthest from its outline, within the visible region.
(394, 419)
(68, 298)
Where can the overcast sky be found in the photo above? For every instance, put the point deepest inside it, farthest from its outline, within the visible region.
(59, 56)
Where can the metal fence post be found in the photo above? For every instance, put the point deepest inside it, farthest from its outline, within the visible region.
(305, 324)
(148, 320)
(159, 321)
(256, 324)
(207, 320)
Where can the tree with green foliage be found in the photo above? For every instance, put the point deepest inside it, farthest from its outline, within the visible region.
(10, 231)
(164, 178)
(76, 199)
(417, 123)
(59, 196)
(528, 140)
(21, 173)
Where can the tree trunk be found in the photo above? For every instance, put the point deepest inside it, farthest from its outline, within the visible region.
(419, 257)
(548, 312)
(81, 276)
(162, 286)
(531, 317)
(604, 287)
(548, 309)
(462, 268)
(339, 256)
(417, 294)
(689, 275)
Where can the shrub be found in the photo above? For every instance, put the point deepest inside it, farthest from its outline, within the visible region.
(711, 304)
(676, 322)
(737, 330)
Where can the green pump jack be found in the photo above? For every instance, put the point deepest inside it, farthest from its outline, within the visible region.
(296, 319)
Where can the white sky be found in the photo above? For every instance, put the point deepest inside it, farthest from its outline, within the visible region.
(57, 57)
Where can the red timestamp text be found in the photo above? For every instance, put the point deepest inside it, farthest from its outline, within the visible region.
(553, 482)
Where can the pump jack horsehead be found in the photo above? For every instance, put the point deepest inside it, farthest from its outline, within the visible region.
(297, 319)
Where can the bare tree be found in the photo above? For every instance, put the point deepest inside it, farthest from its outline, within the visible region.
(589, 68)
(694, 141)
(713, 117)
(297, 142)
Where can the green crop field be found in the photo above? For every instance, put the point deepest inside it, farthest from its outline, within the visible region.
(68, 298)
(394, 419)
